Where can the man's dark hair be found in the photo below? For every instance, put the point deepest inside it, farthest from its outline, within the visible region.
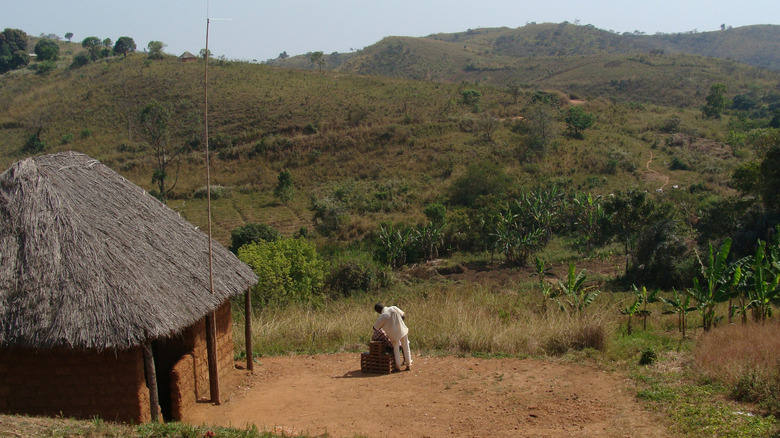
(379, 307)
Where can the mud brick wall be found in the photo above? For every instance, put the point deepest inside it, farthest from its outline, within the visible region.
(190, 379)
(78, 384)
(183, 387)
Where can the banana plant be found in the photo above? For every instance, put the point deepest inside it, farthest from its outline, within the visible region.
(763, 285)
(573, 295)
(720, 281)
(681, 305)
(631, 310)
(647, 297)
(541, 272)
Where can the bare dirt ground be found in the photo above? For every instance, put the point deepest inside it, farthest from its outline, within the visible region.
(440, 397)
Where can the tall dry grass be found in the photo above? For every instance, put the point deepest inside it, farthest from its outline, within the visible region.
(730, 352)
(442, 318)
(746, 359)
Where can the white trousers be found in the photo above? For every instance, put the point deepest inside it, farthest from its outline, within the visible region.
(397, 345)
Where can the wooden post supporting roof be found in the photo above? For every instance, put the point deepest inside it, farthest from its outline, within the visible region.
(151, 381)
(211, 346)
(250, 363)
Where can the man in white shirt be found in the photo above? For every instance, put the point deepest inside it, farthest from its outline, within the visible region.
(391, 320)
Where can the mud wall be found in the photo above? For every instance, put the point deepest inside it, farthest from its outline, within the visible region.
(79, 384)
(190, 375)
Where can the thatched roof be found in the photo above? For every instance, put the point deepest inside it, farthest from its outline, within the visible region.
(90, 260)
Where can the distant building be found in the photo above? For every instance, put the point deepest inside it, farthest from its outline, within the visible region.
(187, 57)
(98, 285)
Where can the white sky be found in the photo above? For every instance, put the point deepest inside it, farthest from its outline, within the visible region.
(262, 29)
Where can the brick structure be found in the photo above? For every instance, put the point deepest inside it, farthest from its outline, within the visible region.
(377, 359)
(74, 383)
(112, 385)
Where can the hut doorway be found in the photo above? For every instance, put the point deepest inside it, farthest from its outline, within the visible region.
(167, 353)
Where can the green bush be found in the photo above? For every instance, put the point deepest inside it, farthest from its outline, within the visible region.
(351, 276)
(34, 144)
(288, 271)
(217, 192)
(480, 179)
(252, 233)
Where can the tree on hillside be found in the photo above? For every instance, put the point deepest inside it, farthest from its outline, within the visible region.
(93, 46)
(716, 102)
(577, 120)
(317, 58)
(155, 49)
(155, 119)
(630, 211)
(124, 45)
(69, 36)
(46, 50)
(13, 50)
(284, 189)
(542, 121)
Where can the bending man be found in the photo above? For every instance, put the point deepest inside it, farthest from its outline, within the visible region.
(391, 320)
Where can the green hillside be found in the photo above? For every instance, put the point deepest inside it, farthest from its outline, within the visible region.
(576, 59)
(401, 141)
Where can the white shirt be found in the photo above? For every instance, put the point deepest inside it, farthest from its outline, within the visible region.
(392, 323)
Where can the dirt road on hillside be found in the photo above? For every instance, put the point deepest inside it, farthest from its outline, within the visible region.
(440, 397)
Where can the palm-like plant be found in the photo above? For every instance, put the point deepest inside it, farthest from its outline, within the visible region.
(573, 295)
(541, 272)
(681, 305)
(720, 281)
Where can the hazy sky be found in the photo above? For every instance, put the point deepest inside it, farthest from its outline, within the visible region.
(261, 30)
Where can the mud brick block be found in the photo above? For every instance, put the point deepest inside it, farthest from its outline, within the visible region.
(377, 364)
(376, 347)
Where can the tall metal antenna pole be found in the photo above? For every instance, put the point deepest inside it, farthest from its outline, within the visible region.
(211, 341)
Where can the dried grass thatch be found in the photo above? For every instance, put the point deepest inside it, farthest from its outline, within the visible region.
(90, 260)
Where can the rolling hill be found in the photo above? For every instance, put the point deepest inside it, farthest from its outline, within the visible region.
(577, 59)
(379, 143)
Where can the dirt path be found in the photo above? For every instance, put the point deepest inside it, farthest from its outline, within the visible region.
(664, 178)
(441, 396)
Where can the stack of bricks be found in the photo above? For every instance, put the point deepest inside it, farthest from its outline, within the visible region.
(376, 360)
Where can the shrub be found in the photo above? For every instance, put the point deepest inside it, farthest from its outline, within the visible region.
(662, 256)
(288, 270)
(67, 138)
(678, 164)
(34, 144)
(484, 178)
(252, 233)
(350, 276)
(648, 357)
(43, 68)
(435, 213)
(80, 60)
(217, 192)
(330, 216)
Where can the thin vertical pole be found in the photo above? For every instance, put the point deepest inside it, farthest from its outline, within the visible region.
(250, 363)
(211, 342)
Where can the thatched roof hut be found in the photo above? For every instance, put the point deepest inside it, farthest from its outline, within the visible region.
(91, 262)
(187, 57)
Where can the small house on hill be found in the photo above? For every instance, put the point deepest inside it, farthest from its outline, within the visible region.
(104, 294)
(187, 57)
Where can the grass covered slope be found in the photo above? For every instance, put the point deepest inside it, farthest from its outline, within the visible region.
(393, 145)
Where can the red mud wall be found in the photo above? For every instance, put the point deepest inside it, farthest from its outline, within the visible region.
(78, 384)
(190, 379)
